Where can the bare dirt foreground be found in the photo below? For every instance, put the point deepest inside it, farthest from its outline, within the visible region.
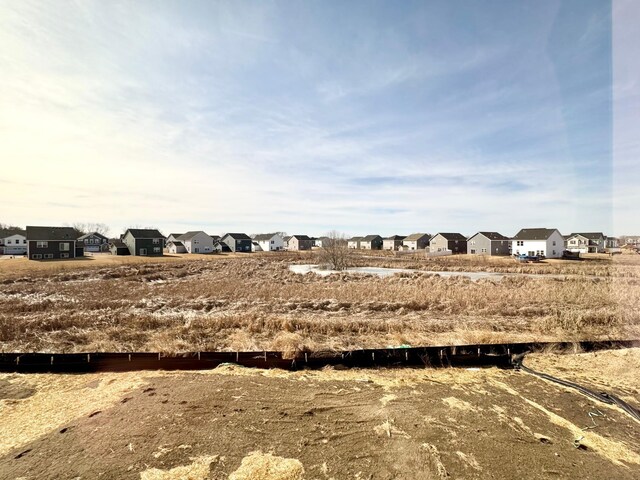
(240, 423)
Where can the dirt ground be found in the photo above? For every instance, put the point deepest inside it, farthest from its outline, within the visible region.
(238, 423)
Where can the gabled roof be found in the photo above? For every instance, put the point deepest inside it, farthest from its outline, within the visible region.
(396, 237)
(175, 235)
(9, 232)
(185, 237)
(176, 243)
(114, 242)
(144, 233)
(355, 239)
(415, 236)
(589, 235)
(301, 237)
(534, 234)
(263, 237)
(452, 236)
(370, 238)
(238, 236)
(51, 233)
(491, 235)
(92, 234)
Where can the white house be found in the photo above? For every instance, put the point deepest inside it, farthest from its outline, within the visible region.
(196, 242)
(176, 247)
(547, 242)
(13, 242)
(269, 242)
(354, 242)
(590, 242)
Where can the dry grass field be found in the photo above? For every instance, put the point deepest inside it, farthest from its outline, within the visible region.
(253, 302)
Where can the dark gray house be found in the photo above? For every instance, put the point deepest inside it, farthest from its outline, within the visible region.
(237, 242)
(93, 242)
(488, 243)
(145, 242)
(118, 247)
(44, 243)
(300, 242)
(456, 242)
(371, 242)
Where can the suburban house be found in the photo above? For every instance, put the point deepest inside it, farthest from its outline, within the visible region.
(591, 242)
(173, 237)
(237, 242)
(176, 247)
(255, 246)
(547, 242)
(416, 241)
(611, 242)
(454, 242)
(13, 241)
(300, 242)
(371, 242)
(354, 242)
(144, 242)
(93, 242)
(488, 243)
(393, 242)
(118, 247)
(322, 241)
(286, 241)
(269, 242)
(196, 242)
(51, 242)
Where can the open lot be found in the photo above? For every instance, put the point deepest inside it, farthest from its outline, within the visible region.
(254, 302)
(367, 424)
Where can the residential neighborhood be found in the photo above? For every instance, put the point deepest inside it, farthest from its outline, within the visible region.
(56, 242)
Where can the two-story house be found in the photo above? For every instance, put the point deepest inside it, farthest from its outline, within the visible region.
(488, 243)
(416, 241)
(546, 242)
(300, 242)
(456, 243)
(237, 242)
(196, 242)
(371, 242)
(394, 242)
(588, 242)
(48, 243)
(269, 242)
(94, 242)
(145, 242)
(13, 241)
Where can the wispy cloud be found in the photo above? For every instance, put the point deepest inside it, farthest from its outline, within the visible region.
(278, 115)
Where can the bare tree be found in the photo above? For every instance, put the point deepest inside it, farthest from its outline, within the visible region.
(84, 228)
(335, 253)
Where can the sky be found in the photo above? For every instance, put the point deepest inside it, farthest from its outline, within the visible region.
(304, 117)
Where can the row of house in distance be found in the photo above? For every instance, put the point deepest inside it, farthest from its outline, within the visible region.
(39, 242)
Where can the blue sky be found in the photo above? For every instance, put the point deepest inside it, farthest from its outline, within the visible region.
(366, 117)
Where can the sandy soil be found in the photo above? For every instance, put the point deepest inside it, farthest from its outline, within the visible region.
(238, 423)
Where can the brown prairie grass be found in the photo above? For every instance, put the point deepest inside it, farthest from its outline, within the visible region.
(255, 303)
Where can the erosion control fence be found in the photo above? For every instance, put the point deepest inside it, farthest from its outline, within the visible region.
(500, 355)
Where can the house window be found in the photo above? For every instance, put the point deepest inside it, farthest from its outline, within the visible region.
(520, 243)
(156, 240)
(48, 255)
(157, 250)
(8, 242)
(62, 255)
(484, 250)
(143, 251)
(64, 247)
(36, 256)
(554, 243)
(554, 252)
(42, 244)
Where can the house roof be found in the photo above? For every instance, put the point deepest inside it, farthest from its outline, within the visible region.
(534, 234)
(9, 232)
(92, 234)
(262, 237)
(51, 233)
(177, 243)
(451, 236)
(492, 235)
(589, 235)
(355, 239)
(370, 238)
(396, 237)
(238, 236)
(415, 236)
(185, 237)
(175, 235)
(144, 233)
(114, 242)
(301, 237)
